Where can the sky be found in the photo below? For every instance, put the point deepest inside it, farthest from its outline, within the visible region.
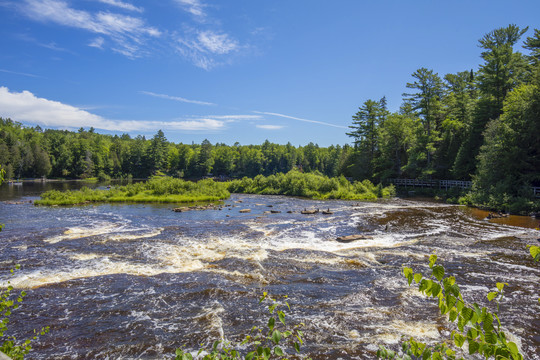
(232, 70)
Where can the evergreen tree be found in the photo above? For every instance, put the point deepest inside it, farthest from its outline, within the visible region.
(502, 70)
(365, 134)
(426, 101)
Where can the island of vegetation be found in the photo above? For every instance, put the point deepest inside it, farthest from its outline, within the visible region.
(172, 190)
(478, 125)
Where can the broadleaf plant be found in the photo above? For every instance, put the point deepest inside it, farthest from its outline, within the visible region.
(478, 329)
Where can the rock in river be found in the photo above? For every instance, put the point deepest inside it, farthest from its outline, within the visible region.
(350, 238)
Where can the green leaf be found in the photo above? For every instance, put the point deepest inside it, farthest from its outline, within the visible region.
(276, 336)
(513, 349)
(459, 340)
(435, 289)
(278, 351)
(271, 323)
(438, 272)
(297, 347)
(432, 260)
(417, 278)
(491, 337)
(450, 300)
(467, 314)
(281, 315)
(472, 333)
(453, 315)
(500, 286)
(492, 295)
(535, 252)
(250, 355)
(488, 322)
(473, 347)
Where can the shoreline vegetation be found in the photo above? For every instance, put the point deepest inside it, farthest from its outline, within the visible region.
(173, 190)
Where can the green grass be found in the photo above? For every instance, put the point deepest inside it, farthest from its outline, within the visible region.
(156, 190)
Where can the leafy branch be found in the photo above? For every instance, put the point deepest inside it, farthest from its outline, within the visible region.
(8, 303)
(477, 326)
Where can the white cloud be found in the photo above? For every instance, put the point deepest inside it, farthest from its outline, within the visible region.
(270, 127)
(122, 5)
(177, 98)
(217, 43)
(300, 119)
(26, 107)
(97, 42)
(194, 7)
(206, 48)
(126, 31)
(236, 117)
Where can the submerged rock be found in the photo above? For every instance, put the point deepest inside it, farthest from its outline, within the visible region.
(350, 238)
(243, 211)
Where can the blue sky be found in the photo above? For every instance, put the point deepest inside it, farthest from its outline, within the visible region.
(227, 71)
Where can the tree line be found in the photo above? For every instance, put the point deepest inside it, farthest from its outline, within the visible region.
(30, 152)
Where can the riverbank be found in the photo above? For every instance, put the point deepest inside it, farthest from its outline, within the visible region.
(502, 204)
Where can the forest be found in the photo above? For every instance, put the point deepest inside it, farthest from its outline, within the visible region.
(478, 124)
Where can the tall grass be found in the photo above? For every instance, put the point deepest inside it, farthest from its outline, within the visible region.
(156, 190)
(310, 185)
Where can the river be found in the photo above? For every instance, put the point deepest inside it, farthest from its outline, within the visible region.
(130, 281)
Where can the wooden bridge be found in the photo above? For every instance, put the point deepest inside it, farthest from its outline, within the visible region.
(443, 184)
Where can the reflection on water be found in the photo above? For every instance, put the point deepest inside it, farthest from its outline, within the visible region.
(137, 281)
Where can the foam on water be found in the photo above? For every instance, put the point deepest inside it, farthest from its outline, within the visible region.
(73, 233)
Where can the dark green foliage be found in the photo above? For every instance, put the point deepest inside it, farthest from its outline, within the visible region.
(27, 152)
(311, 185)
(480, 126)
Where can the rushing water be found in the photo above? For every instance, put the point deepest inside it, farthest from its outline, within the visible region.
(137, 281)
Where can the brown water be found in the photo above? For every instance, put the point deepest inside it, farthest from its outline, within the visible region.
(138, 281)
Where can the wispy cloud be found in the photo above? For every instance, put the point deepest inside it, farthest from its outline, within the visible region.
(270, 127)
(177, 98)
(97, 43)
(300, 119)
(122, 5)
(20, 73)
(194, 7)
(26, 107)
(127, 32)
(206, 48)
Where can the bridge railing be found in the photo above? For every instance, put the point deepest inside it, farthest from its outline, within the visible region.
(446, 184)
(443, 184)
